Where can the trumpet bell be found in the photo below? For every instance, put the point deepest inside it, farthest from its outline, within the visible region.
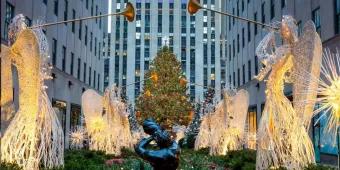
(193, 6)
(129, 12)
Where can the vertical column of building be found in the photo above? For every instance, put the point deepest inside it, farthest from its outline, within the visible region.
(138, 49)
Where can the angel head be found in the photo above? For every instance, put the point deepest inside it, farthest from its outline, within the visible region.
(289, 29)
(17, 25)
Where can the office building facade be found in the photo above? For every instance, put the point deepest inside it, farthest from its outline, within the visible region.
(195, 40)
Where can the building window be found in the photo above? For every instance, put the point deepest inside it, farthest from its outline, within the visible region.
(8, 17)
(45, 2)
(337, 16)
(61, 114)
(64, 59)
(73, 17)
(96, 13)
(87, 4)
(56, 7)
(95, 46)
(28, 21)
(72, 64)
(249, 70)
(316, 19)
(238, 77)
(263, 18)
(80, 29)
(92, 8)
(238, 43)
(78, 68)
(249, 35)
(91, 40)
(252, 113)
(242, 5)
(75, 119)
(256, 65)
(255, 25)
(66, 10)
(244, 73)
(243, 43)
(283, 3)
(84, 75)
(54, 51)
(98, 82)
(272, 9)
(299, 25)
(85, 34)
(234, 79)
(90, 75)
(237, 9)
(233, 48)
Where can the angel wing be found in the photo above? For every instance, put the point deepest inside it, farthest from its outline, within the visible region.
(238, 109)
(6, 98)
(307, 63)
(92, 104)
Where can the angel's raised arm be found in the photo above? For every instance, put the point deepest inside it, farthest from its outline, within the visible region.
(266, 44)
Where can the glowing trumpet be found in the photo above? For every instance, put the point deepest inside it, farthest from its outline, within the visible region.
(194, 6)
(128, 13)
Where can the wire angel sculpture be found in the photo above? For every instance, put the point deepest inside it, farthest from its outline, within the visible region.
(34, 136)
(282, 135)
(106, 119)
(224, 129)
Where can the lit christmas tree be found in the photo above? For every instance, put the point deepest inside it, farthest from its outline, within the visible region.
(164, 98)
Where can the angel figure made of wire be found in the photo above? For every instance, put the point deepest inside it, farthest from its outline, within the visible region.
(106, 119)
(282, 136)
(224, 129)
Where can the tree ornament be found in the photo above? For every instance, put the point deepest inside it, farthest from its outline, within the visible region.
(183, 81)
(154, 77)
(147, 93)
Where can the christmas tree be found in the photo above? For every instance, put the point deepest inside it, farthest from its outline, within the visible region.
(164, 98)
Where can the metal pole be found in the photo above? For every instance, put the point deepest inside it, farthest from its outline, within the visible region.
(74, 20)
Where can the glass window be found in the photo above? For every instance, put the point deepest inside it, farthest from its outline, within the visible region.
(60, 108)
(54, 51)
(84, 75)
(316, 19)
(256, 65)
(78, 68)
(9, 15)
(249, 70)
(66, 11)
(72, 64)
(255, 25)
(337, 16)
(56, 7)
(283, 3)
(80, 29)
(252, 122)
(75, 119)
(272, 9)
(73, 17)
